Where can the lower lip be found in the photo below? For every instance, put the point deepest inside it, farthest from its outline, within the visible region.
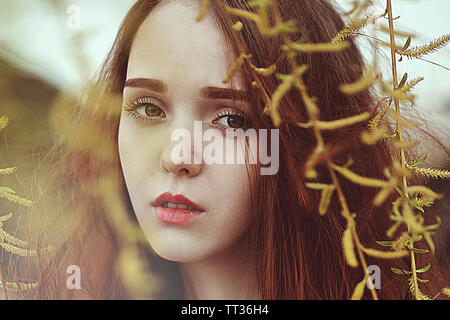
(176, 216)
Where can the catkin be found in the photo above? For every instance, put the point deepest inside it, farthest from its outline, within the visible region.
(238, 26)
(446, 291)
(369, 182)
(16, 199)
(337, 124)
(6, 171)
(279, 93)
(418, 52)
(386, 254)
(364, 82)
(3, 122)
(203, 10)
(325, 199)
(235, 67)
(425, 191)
(411, 84)
(430, 172)
(18, 286)
(18, 251)
(13, 240)
(348, 30)
(359, 290)
(320, 47)
(349, 250)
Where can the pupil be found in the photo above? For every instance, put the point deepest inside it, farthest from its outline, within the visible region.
(152, 111)
(234, 121)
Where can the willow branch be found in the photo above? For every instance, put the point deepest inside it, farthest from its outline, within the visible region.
(399, 129)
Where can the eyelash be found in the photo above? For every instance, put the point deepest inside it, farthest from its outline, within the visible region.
(132, 106)
(229, 113)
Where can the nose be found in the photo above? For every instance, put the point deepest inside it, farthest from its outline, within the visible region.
(187, 168)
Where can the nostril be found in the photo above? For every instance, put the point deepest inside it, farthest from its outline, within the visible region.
(184, 170)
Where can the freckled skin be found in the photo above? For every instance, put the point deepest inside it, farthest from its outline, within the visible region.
(187, 55)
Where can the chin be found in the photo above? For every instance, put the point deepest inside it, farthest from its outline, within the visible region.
(179, 251)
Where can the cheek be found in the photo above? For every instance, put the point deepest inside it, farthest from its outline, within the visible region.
(232, 197)
(225, 188)
(137, 146)
(136, 157)
(126, 146)
(228, 185)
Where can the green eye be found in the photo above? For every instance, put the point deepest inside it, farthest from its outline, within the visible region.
(145, 109)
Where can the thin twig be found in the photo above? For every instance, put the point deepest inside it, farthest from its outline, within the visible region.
(320, 142)
(399, 130)
(388, 45)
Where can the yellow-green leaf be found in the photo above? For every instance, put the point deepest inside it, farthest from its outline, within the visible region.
(318, 186)
(403, 81)
(6, 189)
(424, 269)
(6, 217)
(385, 243)
(407, 43)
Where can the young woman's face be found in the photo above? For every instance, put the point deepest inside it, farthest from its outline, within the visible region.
(189, 60)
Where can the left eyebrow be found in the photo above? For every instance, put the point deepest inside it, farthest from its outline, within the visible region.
(223, 93)
(152, 84)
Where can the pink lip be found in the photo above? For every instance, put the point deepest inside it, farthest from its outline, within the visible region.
(173, 215)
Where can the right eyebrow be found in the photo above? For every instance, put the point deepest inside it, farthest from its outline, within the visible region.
(146, 83)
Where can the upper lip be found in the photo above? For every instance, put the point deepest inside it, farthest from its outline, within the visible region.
(177, 199)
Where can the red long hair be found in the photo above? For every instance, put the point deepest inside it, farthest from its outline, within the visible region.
(294, 252)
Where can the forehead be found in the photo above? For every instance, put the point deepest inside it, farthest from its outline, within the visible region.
(172, 46)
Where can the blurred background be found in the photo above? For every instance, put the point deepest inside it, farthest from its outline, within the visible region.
(50, 46)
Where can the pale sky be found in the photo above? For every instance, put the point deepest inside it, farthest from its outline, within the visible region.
(32, 36)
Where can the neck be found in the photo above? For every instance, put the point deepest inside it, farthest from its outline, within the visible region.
(225, 276)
